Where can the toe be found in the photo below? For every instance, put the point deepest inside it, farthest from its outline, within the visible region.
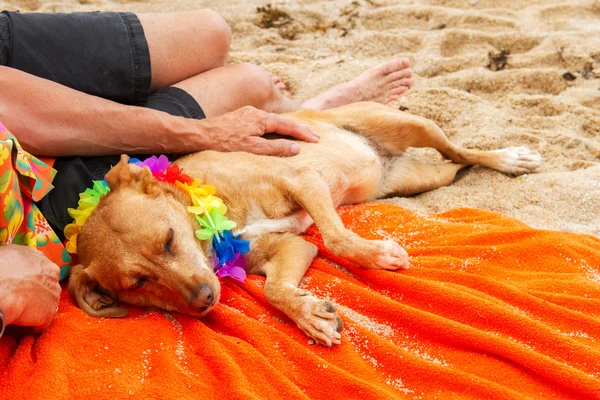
(519, 160)
(529, 165)
(398, 91)
(390, 256)
(277, 81)
(395, 65)
(406, 82)
(394, 76)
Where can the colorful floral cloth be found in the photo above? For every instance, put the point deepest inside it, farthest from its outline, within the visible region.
(25, 179)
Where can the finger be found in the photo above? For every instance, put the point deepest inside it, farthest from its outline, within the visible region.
(45, 324)
(276, 147)
(52, 269)
(284, 126)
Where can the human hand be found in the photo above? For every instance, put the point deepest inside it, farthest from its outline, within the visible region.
(29, 288)
(243, 130)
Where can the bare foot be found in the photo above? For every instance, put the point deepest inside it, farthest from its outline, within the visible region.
(383, 84)
(281, 86)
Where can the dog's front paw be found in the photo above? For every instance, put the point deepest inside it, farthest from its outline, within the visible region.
(319, 320)
(518, 160)
(383, 254)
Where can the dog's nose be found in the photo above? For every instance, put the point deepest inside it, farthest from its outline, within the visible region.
(205, 297)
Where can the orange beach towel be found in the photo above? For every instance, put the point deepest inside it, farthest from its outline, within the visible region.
(491, 309)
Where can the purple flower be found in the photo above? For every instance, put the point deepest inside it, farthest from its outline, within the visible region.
(155, 164)
(235, 268)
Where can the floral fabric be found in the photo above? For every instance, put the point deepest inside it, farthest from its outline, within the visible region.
(25, 179)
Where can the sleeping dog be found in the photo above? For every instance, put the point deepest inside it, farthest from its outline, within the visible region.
(138, 246)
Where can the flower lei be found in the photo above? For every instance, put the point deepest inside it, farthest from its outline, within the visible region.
(208, 210)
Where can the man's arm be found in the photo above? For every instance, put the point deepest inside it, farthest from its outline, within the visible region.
(52, 120)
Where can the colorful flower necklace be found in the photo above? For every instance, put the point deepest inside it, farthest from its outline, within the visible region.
(208, 210)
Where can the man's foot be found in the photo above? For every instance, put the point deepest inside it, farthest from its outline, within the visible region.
(383, 84)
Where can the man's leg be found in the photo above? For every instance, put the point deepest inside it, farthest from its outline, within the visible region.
(184, 44)
(228, 88)
(188, 50)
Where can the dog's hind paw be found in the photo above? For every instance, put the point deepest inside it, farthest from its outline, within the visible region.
(320, 321)
(518, 160)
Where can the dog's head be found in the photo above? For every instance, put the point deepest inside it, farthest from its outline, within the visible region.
(139, 247)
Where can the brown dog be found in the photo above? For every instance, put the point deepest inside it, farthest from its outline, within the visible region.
(139, 247)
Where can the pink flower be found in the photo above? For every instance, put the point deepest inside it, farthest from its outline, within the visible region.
(155, 164)
(235, 268)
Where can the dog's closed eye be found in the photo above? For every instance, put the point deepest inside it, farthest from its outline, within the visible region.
(139, 283)
(168, 248)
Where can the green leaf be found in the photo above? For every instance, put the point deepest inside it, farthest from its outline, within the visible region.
(204, 234)
(5, 180)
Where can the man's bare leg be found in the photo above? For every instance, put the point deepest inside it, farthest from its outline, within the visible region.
(184, 44)
(382, 84)
(228, 88)
(225, 89)
(188, 50)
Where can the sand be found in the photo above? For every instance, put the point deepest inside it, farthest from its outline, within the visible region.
(544, 94)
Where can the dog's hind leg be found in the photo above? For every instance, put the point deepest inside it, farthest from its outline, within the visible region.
(284, 259)
(407, 177)
(394, 131)
(511, 160)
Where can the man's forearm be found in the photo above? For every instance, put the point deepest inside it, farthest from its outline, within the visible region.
(52, 120)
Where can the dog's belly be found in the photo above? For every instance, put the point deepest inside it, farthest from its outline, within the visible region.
(348, 162)
(349, 165)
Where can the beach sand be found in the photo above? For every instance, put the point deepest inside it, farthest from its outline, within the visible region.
(544, 94)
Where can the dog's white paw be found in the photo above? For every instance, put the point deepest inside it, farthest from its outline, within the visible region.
(518, 160)
(319, 320)
(386, 254)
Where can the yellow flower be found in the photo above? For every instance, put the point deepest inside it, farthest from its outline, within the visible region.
(80, 215)
(202, 198)
(71, 232)
(4, 153)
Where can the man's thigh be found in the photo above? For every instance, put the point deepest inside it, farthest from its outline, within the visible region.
(101, 53)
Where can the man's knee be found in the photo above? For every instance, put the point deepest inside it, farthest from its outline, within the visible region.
(220, 32)
(258, 82)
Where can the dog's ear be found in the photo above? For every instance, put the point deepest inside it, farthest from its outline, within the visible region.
(91, 297)
(127, 175)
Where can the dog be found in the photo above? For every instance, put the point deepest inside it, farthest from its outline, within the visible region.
(138, 246)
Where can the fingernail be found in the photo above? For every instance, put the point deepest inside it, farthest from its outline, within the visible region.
(295, 148)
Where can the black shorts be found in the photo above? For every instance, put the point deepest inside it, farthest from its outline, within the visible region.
(102, 54)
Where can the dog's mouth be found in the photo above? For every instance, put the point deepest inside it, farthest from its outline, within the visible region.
(195, 301)
(200, 311)
(205, 310)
